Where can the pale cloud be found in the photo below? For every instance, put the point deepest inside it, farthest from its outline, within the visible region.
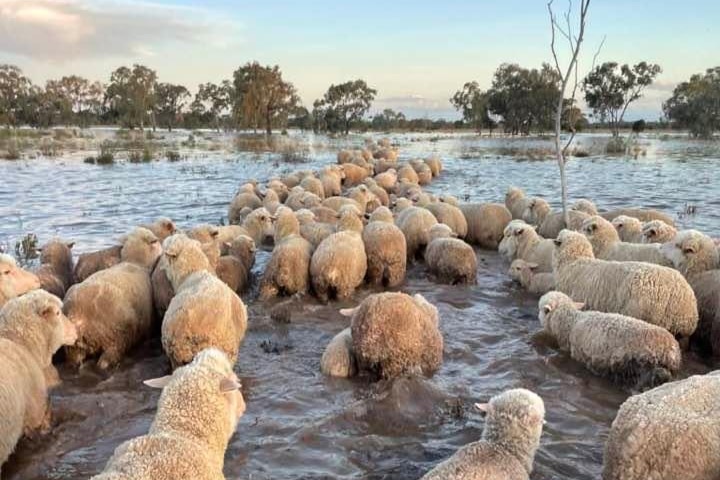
(62, 30)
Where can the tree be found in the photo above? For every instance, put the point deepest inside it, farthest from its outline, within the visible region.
(564, 75)
(573, 120)
(345, 103)
(262, 97)
(610, 89)
(80, 98)
(169, 102)
(212, 101)
(473, 103)
(14, 88)
(131, 93)
(387, 120)
(695, 104)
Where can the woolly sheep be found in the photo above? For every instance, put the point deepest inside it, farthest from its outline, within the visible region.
(32, 329)
(113, 308)
(449, 259)
(623, 348)
(424, 174)
(339, 264)
(657, 231)
(205, 233)
(338, 359)
(395, 334)
(162, 228)
(536, 210)
(258, 225)
(288, 271)
(516, 202)
(331, 179)
(696, 257)
(554, 222)
(607, 245)
(240, 201)
(197, 413)
(486, 222)
(313, 231)
(415, 223)
(520, 240)
(335, 203)
(506, 451)
(91, 262)
(407, 173)
(325, 214)
(279, 188)
(313, 185)
(585, 206)
(450, 200)
(387, 180)
(435, 165)
(379, 192)
(653, 293)
(234, 268)
(14, 281)
(56, 267)
(204, 311)
(451, 216)
(629, 229)
(299, 198)
(535, 282)
(671, 432)
(271, 201)
(354, 174)
(386, 250)
(642, 214)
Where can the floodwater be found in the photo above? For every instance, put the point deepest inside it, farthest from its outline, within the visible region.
(299, 424)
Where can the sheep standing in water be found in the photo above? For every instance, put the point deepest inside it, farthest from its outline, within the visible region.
(14, 281)
(450, 259)
(56, 267)
(385, 248)
(521, 241)
(513, 426)
(526, 274)
(607, 245)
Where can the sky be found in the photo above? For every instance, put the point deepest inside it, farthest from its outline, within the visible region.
(416, 53)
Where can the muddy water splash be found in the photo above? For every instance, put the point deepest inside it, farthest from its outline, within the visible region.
(298, 423)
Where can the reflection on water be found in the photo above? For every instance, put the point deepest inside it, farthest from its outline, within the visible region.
(299, 424)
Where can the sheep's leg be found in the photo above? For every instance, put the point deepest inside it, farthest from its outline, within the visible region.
(109, 358)
(75, 356)
(268, 290)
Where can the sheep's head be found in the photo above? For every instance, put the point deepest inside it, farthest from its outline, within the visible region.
(351, 219)
(520, 269)
(585, 206)
(58, 254)
(381, 214)
(551, 302)
(599, 232)
(163, 228)
(536, 211)
(440, 230)
(570, 246)
(184, 256)
(261, 225)
(657, 231)
(141, 247)
(270, 197)
(691, 252)
(217, 403)
(514, 417)
(205, 232)
(515, 234)
(627, 227)
(449, 199)
(15, 281)
(513, 194)
(286, 224)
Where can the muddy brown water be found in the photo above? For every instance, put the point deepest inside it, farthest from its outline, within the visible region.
(298, 423)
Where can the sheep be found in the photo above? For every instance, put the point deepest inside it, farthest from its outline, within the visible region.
(450, 200)
(291, 180)
(56, 267)
(535, 282)
(335, 203)
(162, 228)
(451, 216)
(536, 210)
(506, 450)
(271, 201)
(313, 231)
(657, 231)
(623, 348)
(449, 259)
(288, 271)
(696, 257)
(584, 205)
(313, 185)
(394, 334)
(415, 223)
(629, 229)
(205, 233)
(331, 179)
(379, 192)
(113, 308)
(516, 202)
(234, 268)
(387, 179)
(424, 173)
(407, 173)
(521, 241)
(435, 165)
(258, 225)
(240, 201)
(91, 262)
(338, 359)
(279, 188)
(339, 263)
(361, 195)
(325, 214)
(354, 174)
(486, 222)
(299, 198)
(642, 214)
(197, 413)
(554, 222)
(32, 329)
(653, 293)
(667, 433)
(204, 311)
(386, 250)
(607, 245)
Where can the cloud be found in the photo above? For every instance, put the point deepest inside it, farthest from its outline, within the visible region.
(415, 106)
(61, 30)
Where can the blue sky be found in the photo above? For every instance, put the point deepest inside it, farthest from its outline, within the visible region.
(416, 53)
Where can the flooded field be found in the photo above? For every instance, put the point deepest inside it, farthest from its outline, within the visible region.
(298, 423)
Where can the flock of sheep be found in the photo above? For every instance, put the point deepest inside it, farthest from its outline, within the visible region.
(623, 293)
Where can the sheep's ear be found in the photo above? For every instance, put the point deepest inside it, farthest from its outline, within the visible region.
(519, 231)
(227, 244)
(532, 266)
(70, 244)
(579, 305)
(348, 312)
(47, 311)
(160, 382)
(483, 407)
(229, 384)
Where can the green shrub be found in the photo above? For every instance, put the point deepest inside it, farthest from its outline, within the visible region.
(89, 160)
(172, 155)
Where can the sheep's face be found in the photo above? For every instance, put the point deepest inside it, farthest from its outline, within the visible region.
(535, 210)
(691, 252)
(585, 206)
(589, 228)
(626, 226)
(263, 223)
(514, 417)
(513, 194)
(520, 269)
(64, 331)
(513, 234)
(141, 247)
(551, 302)
(570, 246)
(57, 253)
(657, 231)
(14, 281)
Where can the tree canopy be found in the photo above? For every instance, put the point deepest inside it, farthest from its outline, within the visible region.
(695, 104)
(343, 104)
(474, 105)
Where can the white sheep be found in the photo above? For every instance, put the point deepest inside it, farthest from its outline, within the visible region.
(657, 231)
(628, 228)
(521, 241)
(607, 245)
(623, 348)
(386, 250)
(506, 451)
(14, 281)
(450, 259)
(415, 223)
(516, 202)
(486, 223)
(653, 293)
(533, 281)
